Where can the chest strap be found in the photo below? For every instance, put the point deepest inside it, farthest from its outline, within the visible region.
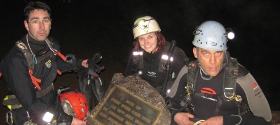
(29, 58)
(12, 103)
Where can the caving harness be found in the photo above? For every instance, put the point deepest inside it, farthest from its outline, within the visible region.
(229, 88)
(164, 64)
(10, 100)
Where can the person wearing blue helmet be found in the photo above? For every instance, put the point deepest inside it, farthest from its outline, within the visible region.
(215, 89)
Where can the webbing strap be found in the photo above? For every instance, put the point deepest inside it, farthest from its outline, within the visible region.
(43, 92)
(163, 62)
(231, 74)
(61, 56)
(12, 100)
(137, 58)
(35, 80)
(55, 52)
(22, 47)
(191, 77)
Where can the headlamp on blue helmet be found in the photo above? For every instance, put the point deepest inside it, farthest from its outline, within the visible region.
(212, 35)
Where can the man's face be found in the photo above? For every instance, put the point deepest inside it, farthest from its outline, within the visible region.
(211, 61)
(38, 25)
(148, 42)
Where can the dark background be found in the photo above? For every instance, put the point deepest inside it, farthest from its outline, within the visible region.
(84, 27)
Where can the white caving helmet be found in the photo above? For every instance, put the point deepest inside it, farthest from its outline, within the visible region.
(144, 25)
(211, 35)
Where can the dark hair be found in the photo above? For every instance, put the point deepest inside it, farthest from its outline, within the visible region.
(160, 42)
(31, 6)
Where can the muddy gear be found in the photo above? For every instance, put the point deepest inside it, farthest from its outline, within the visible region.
(93, 66)
(90, 83)
(74, 104)
(92, 87)
(144, 25)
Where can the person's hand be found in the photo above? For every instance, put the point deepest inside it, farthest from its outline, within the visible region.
(217, 120)
(78, 122)
(84, 63)
(183, 118)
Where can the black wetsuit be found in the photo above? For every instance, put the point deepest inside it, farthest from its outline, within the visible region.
(151, 62)
(208, 99)
(16, 76)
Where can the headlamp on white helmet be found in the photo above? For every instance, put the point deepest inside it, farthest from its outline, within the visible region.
(144, 25)
(212, 35)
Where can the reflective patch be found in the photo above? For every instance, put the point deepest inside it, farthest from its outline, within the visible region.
(152, 74)
(254, 85)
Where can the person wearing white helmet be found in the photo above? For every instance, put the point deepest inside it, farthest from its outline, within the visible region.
(215, 89)
(152, 54)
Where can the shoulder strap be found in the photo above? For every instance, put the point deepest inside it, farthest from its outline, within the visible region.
(191, 77)
(29, 58)
(231, 74)
(22, 47)
(163, 62)
(137, 57)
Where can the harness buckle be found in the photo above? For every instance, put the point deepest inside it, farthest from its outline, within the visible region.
(237, 98)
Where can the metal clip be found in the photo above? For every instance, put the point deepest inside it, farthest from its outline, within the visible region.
(237, 98)
(9, 118)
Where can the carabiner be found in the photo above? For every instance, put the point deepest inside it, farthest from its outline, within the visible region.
(9, 118)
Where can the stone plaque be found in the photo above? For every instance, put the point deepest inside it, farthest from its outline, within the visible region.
(122, 108)
(130, 101)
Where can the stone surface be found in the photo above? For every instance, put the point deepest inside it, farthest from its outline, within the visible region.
(121, 91)
(275, 118)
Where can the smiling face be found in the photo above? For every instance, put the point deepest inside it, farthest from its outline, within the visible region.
(38, 24)
(211, 61)
(148, 42)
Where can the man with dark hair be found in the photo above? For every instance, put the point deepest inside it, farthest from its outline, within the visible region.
(30, 68)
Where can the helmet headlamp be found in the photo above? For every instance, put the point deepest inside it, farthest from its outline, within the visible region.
(230, 34)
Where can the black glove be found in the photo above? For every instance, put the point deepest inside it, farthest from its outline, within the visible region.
(93, 68)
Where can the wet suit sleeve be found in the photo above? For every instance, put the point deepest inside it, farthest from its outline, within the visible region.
(68, 67)
(256, 100)
(174, 97)
(177, 64)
